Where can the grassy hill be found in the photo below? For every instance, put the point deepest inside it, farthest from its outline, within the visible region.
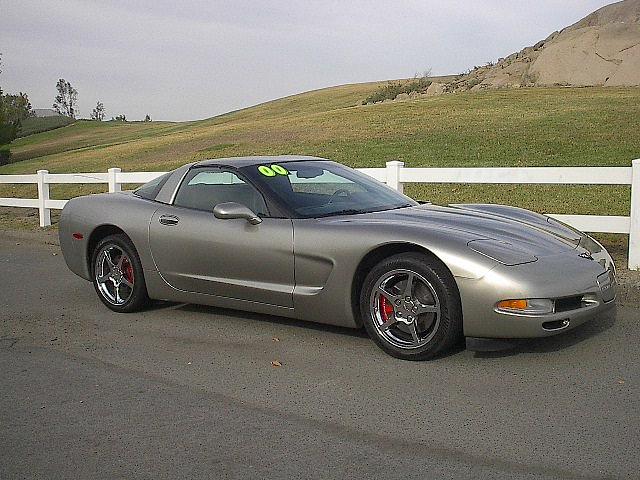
(32, 125)
(519, 127)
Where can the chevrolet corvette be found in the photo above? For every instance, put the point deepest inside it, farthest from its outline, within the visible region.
(308, 238)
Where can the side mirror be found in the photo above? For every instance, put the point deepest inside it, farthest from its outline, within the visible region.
(229, 210)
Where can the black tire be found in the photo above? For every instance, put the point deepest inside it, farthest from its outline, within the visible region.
(137, 298)
(443, 327)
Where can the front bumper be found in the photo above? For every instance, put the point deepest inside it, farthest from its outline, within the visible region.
(557, 277)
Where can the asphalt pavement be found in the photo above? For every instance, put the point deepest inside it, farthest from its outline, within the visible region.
(184, 391)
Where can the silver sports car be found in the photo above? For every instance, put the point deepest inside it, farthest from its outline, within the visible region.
(308, 238)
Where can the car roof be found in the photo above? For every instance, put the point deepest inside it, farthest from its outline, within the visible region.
(237, 162)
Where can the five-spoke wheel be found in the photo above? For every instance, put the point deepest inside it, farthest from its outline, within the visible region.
(411, 307)
(406, 308)
(117, 274)
(114, 274)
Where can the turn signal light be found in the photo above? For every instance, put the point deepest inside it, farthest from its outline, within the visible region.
(530, 306)
(78, 236)
(513, 305)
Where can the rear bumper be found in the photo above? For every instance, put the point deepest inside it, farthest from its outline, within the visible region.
(74, 250)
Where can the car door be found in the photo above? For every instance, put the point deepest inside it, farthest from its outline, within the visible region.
(197, 252)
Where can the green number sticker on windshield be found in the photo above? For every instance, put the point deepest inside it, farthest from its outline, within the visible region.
(279, 170)
(266, 171)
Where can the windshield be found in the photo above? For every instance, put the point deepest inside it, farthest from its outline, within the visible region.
(323, 188)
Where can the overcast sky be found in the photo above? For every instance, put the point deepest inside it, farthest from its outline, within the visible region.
(195, 59)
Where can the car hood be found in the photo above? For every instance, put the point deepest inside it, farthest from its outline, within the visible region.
(526, 231)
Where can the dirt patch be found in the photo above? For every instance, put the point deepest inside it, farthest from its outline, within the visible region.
(629, 288)
(42, 237)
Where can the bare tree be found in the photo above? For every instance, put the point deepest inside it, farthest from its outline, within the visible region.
(98, 112)
(66, 99)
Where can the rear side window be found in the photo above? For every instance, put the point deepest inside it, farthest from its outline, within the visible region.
(203, 189)
(150, 190)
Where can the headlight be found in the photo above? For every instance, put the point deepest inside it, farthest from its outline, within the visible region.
(529, 306)
(501, 252)
(590, 244)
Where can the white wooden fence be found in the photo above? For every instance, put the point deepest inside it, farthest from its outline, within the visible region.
(396, 175)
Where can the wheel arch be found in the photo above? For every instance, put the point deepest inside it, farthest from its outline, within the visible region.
(96, 235)
(375, 256)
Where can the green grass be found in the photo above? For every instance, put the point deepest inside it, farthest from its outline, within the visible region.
(32, 125)
(524, 127)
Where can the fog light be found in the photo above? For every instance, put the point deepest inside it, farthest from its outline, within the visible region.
(531, 306)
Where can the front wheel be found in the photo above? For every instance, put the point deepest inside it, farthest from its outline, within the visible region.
(117, 275)
(411, 307)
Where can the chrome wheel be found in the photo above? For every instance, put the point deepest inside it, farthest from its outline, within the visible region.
(405, 308)
(114, 274)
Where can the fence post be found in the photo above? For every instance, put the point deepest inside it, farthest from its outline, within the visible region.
(634, 232)
(393, 175)
(43, 198)
(114, 186)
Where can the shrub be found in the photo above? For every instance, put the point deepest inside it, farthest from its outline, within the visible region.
(7, 132)
(392, 89)
(5, 155)
(473, 82)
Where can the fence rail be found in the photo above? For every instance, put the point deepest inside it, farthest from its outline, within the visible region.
(396, 175)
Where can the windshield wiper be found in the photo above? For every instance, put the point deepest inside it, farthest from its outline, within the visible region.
(406, 205)
(354, 211)
(346, 211)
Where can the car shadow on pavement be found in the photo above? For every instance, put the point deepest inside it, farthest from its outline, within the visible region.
(557, 342)
(303, 324)
(243, 315)
(519, 346)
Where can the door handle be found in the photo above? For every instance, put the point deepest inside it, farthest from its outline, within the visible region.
(168, 220)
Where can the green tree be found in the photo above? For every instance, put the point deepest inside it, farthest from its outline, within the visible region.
(8, 131)
(66, 100)
(17, 107)
(5, 133)
(98, 112)
(13, 109)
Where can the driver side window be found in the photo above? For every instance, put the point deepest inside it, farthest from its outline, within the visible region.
(204, 188)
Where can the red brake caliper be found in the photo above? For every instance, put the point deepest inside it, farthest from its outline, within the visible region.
(128, 270)
(386, 309)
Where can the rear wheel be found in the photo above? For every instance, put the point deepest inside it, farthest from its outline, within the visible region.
(411, 307)
(117, 275)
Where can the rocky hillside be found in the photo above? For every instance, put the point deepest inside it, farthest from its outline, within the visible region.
(602, 49)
